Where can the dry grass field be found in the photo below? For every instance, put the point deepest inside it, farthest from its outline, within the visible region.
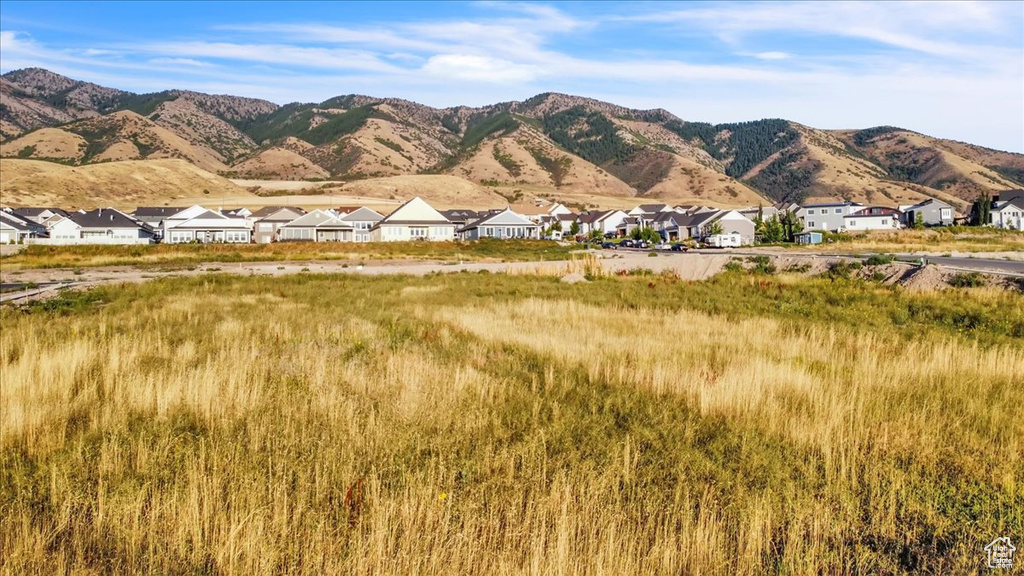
(184, 254)
(929, 240)
(494, 424)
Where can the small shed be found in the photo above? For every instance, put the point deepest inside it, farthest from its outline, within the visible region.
(808, 238)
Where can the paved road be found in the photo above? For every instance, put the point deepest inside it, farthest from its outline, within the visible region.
(999, 266)
(1010, 267)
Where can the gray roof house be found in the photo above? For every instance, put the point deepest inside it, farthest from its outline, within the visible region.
(317, 226)
(826, 216)
(38, 215)
(267, 221)
(1007, 214)
(16, 229)
(363, 220)
(505, 225)
(197, 224)
(414, 220)
(100, 226)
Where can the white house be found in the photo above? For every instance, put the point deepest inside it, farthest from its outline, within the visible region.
(505, 224)
(414, 220)
(1007, 214)
(317, 226)
(874, 221)
(16, 229)
(733, 222)
(38, 215)
(100, 226)
(197, 224)
(362, 220)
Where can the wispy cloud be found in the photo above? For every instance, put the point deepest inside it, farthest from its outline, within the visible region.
(840, 64)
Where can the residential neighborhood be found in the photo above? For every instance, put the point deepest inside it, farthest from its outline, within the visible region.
(417, 220)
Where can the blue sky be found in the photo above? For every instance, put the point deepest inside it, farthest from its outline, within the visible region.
(954, 70)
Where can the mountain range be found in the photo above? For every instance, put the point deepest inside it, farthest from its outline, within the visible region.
(551, 142)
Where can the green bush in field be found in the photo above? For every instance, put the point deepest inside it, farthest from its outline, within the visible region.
(879, 260)
(967, 280)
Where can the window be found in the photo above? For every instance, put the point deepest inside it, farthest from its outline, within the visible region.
(810, 212)
(885, 221)
(810, 224)
(839, 210)
(946, 213)
(418, 232)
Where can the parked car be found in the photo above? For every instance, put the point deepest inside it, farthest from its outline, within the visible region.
(662, 246)
(611, 235)
(611, 245)
(680, 247)
(641, 244)
(627, 243)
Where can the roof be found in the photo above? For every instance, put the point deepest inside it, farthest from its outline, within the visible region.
(830, 204)
(504, 218)
(147, 211)
(1007, 195)
(929, 201)
(32, 212)
(212, 224)
(461, 215)
(702, 218)
(318, 219)
(13, 221)
(266, 211)
(591, 217)
(104, 218)
(1016, 203)
(652, 208)
(416, 212)
(363, 214)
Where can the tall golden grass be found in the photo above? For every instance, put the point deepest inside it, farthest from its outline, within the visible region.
(486, 424)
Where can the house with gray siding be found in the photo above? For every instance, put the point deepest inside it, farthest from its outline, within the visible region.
(267, 220)
(503, 225)
(933, 212)
(317, 226)
(362, 220)
(826, 216)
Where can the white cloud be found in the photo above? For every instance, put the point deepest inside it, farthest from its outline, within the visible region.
(772, 55)
(955, 70)
(181, 62)
(478, 68)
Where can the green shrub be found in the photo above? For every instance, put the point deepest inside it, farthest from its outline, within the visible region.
(842, 269)
(762, 265)
(879, 260)
(967, 280)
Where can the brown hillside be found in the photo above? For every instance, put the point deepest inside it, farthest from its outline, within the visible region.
(113, 130)
(119, 184)
(277, 164)
(440, 191)
(46, 143)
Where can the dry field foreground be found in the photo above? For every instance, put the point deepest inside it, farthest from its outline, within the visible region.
(494, 424)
